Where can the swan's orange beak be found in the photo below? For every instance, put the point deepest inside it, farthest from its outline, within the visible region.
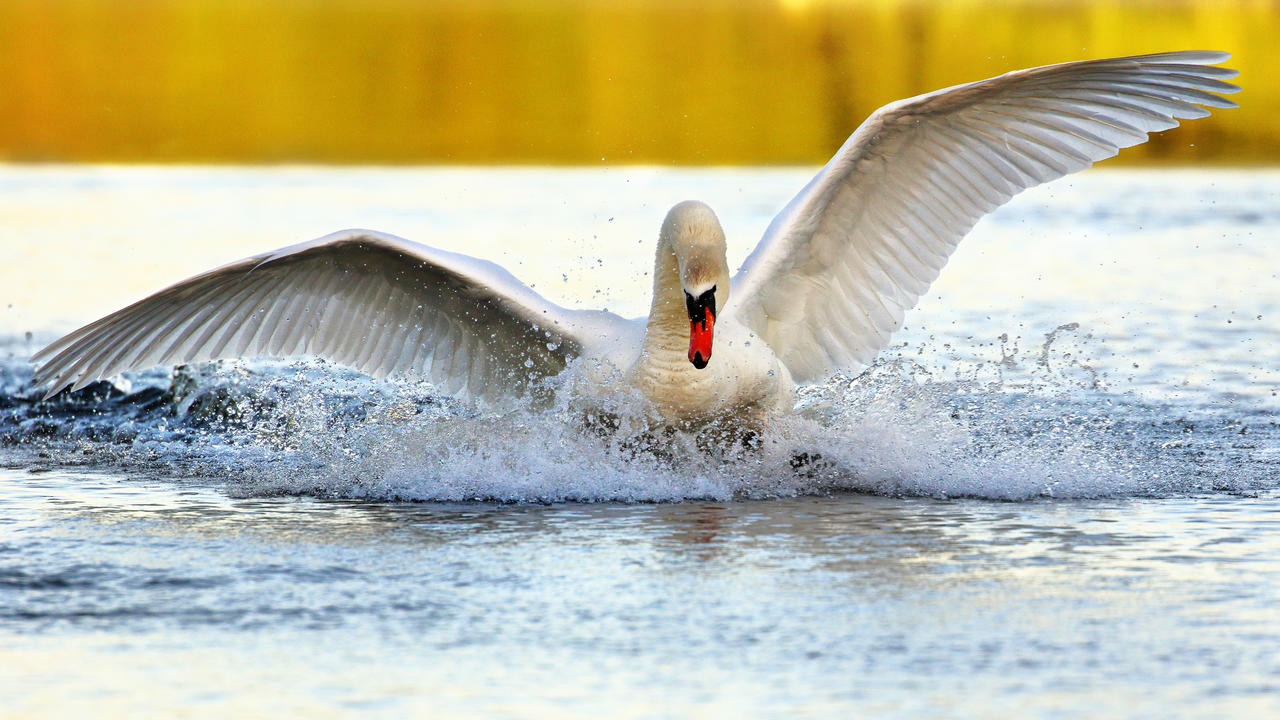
(702, 323)
(700, 340)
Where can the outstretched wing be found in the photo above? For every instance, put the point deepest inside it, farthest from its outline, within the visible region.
(375, 302)
(851, 253)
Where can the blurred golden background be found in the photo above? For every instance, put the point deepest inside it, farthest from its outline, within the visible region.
(564, 81)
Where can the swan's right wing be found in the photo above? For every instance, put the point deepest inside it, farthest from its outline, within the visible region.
(854, 250)
(372, 301)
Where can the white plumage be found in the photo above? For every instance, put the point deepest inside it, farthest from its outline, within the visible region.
(822, 292)
(865, 238)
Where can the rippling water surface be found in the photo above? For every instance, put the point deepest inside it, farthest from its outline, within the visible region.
(1056, 494)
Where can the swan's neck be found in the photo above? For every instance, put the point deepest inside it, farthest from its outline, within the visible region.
(668, 328)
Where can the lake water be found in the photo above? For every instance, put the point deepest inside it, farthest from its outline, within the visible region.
(1057, 494)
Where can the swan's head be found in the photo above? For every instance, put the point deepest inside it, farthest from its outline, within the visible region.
(695, 237)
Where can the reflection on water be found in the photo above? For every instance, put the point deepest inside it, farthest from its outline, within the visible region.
(801, 605)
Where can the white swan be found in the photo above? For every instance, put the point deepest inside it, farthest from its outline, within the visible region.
(822, 292)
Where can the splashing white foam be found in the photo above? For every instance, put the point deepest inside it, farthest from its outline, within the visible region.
(998, 428)
(882, 433)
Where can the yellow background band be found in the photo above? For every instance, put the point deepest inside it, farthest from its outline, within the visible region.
(569, 81)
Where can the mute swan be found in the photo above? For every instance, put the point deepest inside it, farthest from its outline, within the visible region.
(822, 292)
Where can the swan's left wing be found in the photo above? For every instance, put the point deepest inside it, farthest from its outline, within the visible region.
(863, 240)
(372, 301)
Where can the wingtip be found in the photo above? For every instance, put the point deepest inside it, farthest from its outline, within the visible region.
(1195, 57)
(1212, 57)
(51, 386)
(1180, 57)
(52, 381)
(39, 379)
(38, 356)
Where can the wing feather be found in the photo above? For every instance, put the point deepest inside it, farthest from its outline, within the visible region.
(841, 264)
(378, 303)
(275, 342)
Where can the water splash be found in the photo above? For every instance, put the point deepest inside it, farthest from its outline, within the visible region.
(1002, 424)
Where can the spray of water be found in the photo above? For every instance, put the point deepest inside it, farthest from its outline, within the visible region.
(1013, 425)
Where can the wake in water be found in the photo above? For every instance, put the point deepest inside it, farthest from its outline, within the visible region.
(1011, 426)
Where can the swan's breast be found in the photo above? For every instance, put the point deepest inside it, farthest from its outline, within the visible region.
(743, 375)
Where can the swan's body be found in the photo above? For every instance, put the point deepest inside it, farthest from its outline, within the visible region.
(821, 293)
(745, 376)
